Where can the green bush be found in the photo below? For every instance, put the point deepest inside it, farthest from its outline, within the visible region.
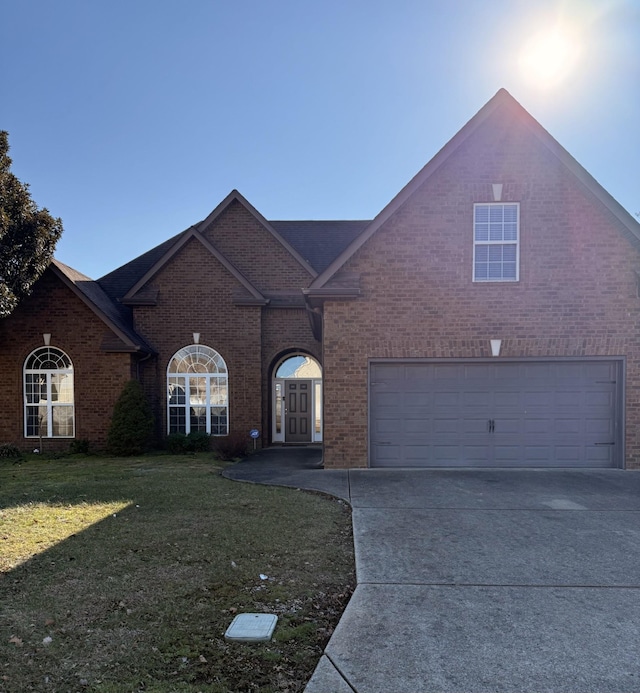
(176, 443)
(196, 441)
(9, 451)
(79, 447)
(230, 447)
(132, 422)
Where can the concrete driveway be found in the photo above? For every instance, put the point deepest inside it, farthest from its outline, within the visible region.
(486, 581)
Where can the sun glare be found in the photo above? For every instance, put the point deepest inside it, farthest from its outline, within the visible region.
(548, 58)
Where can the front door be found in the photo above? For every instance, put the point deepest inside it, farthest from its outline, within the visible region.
(298, 411)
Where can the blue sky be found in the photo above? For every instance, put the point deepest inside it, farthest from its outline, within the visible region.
(133, 120)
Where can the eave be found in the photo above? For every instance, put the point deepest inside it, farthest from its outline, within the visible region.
(127, 342)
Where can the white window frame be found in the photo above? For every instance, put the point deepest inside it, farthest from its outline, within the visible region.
(488, 242)
(194, 360)
(278, 398)
(47, 405)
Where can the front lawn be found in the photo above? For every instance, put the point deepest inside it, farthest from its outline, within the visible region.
(123, 575)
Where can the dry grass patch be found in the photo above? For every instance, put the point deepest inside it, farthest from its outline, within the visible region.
(123, 576)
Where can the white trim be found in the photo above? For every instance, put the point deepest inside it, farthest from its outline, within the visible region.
(222, 375)
(48, 402)
(278, 404)
(490, 243)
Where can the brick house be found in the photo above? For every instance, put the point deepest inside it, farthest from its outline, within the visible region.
(488, 316)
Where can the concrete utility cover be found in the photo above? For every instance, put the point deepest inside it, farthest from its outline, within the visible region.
(251, 627)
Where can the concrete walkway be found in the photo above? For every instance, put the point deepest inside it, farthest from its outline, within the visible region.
(480, 581)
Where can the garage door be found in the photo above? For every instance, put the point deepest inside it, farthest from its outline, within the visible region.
(513, 414)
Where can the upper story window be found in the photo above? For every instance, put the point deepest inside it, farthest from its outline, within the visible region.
(198, 392)
(496, 240)
(48, 394)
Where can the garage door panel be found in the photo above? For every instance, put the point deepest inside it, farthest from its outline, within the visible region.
(599, 430)
(597, 400)
(542, 414)
(444, 372)
(506, 398)
(390, 425)
(442, 426)
(536, 454)
(390, 400)
(444, 398)
(477, 426)
(599, 455)
(569, 426)
(535, 400)
(417, 399)
(535, 426)
(507, 425)
(475, 454)
(387, 454)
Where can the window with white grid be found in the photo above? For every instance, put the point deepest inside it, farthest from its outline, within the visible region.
(496, 242)
(48, 394)
(197, 392)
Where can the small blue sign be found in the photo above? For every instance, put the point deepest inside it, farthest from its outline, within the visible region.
(254, 433)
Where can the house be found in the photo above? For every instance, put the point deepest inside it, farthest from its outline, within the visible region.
(488, 316)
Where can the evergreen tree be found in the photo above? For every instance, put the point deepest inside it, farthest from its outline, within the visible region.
(132, 422)
(28, 236)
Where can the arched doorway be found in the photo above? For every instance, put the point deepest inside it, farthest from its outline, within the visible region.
(297, 400)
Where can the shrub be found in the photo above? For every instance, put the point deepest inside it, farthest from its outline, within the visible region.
(9, 451)
(79, 447)
(230, 447)
(198, 441)
(132, 422)
(176, 443)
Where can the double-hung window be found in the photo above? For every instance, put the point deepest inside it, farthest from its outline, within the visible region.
(48, 394)
(496, 242)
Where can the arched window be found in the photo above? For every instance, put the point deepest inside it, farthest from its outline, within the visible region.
(48, 394)
(299, 366)
(197, 391)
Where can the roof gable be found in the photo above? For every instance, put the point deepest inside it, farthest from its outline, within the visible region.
(163, 260)
(501, 101)
(94, 297)
(235, 196)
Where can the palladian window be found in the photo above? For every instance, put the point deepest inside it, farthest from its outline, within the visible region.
(48, 394)
(197, 392)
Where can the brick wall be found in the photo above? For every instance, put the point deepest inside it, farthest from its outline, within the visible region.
(195, 295)
(263, 260)
(577, 294)
(284, 330)
(98, 377)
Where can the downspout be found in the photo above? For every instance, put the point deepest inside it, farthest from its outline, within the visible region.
(316, 320)
(139, 361)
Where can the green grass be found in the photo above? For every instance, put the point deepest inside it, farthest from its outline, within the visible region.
(135, 568)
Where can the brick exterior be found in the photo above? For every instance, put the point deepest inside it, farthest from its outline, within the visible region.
(265, 262)
(195, 295)
(577, 294)
(98, 376)
(283, 331)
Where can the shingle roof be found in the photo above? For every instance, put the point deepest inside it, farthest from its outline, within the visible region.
(116, 316)
(118, 282)
(319, 242)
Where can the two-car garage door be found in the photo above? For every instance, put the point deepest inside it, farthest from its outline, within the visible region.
(495, 414)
